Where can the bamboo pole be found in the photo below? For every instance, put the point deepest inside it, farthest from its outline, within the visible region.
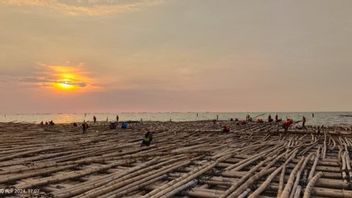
(288, 186)
(266, 183)
(310, 185)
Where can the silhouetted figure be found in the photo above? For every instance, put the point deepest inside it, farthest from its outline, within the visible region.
(124, 125)
(84, 127)
(304, 122)
(226, 129)
(117, 118)
(51, 123)
(112, 125)
(46, 123)
(217, 117)
(75, 124)
(41, 123)
(236, 120)
(148, 137)
(286, 125)
(260, 120)
(270, 119)
(313, 115)
(277, 118)
(94, 119)
(231, 119)
(249, 118)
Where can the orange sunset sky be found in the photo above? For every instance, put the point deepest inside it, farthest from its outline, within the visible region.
(174, 55)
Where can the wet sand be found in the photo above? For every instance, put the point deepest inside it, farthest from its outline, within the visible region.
(185, 159)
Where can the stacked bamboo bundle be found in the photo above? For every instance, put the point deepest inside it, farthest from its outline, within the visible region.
(185, 159)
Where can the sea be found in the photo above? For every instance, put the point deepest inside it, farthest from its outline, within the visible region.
(313, 118)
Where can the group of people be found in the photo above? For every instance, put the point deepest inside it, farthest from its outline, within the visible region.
(50, 123)
(285, 124)
(147, 138)
(107, 119)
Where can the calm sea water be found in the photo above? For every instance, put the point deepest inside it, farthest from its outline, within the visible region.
(320, 118)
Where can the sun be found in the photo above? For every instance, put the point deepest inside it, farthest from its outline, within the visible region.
(64, 85)
(69, 79)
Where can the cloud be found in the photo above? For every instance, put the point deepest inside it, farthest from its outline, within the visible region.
(86, 7)
(58, 76)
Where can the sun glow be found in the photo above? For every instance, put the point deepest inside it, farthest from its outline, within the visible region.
(69, 78)
(65, 85)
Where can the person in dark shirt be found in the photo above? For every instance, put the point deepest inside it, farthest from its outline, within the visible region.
(148, 137)
(270, 119)
(84, 127)
(304, 122)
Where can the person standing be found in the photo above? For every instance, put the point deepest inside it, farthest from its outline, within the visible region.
(94, 119)
(270, 119)
(117, 118)
(304, 122)
(84, 127)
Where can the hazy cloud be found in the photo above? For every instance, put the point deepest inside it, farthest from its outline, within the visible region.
(48, 76)
(85, 7)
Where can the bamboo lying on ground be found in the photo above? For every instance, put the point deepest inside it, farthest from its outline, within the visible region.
(298, 176)
(288, 186)
(312, 170)
(310, 185)
(250, 151)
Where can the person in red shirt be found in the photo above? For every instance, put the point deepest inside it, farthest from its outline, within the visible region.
(286, 125)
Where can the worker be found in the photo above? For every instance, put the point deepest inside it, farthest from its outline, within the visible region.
(286, 125)
(249, 118)
(124, 125)
(148, 137)
(112, 125)
(84, 127)
(260, 120)
(277, 118)
(226, 129)
(270, 119)
(94, 119)
(51, 123)
(117, 118)
(304, 122)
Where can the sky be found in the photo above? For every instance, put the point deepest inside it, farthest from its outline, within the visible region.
(72, 56)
